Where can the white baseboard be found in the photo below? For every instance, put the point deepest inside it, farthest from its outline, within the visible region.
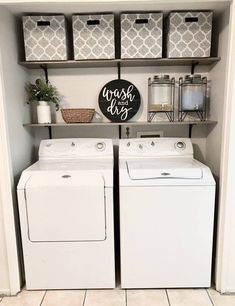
(4, 292)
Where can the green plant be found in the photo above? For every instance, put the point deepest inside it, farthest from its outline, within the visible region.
(42, 91)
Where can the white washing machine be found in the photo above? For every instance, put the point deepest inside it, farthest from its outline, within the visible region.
(166, 214)
(66, 215)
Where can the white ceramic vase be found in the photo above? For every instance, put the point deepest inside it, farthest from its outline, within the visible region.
(43, 112)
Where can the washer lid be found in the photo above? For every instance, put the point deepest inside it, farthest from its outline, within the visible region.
(164, 169)
(65, 207)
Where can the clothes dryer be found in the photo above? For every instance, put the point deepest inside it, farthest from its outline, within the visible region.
(66, 215)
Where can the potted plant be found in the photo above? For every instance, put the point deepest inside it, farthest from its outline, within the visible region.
(43, 92)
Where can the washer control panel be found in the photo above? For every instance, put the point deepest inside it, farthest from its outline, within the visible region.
(75, 148)
(154, 147)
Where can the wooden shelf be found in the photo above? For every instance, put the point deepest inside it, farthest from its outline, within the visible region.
(122, 63)
(208, 122)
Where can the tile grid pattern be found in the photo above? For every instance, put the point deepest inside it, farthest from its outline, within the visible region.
(84, 300)
(212, 302)
(43, 298)
(161, 297)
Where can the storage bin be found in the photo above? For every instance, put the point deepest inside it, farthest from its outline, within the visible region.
(93, 36)
(45, 38)
(141, 35)
(189, 34)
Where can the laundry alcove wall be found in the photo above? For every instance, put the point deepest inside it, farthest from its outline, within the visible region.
(80, 86)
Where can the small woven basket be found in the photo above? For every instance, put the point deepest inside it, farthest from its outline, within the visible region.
(77, 115)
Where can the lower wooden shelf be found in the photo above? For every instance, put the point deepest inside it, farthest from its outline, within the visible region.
(62, 124)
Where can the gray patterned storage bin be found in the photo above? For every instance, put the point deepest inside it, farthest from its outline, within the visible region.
(141, 35)
(93, 36)
(45, 38)
(189, 34)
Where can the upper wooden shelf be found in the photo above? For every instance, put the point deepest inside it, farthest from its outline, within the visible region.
(62, 124)
(122, 63)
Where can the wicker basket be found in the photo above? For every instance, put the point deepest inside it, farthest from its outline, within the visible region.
(76, 115)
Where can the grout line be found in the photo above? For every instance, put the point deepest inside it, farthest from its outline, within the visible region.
(212, 303)
(84, 298)
(126, 297)
(168, 299)
(43, 298)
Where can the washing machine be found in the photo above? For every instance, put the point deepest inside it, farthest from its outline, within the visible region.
(166, 214)
(66, 215)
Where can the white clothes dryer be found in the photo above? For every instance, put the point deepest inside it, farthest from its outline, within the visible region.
(66, 215)
(166, 214)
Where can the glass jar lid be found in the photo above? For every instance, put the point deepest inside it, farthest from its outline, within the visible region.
(194, 79)
(161, 79)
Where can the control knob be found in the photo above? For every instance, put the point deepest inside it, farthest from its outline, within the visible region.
(100, 146)
(180, 145)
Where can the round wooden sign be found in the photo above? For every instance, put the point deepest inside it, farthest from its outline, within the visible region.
(119, 100)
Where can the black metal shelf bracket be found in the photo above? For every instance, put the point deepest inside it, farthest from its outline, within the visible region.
(193, 66)
(119, 131)
(127, 132)
(190, 130)
(49, 131)
(119, 77)
(119, 70)
(45, 69)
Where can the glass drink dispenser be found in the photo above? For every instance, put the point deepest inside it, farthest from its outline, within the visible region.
(192, 96)
(161, 92)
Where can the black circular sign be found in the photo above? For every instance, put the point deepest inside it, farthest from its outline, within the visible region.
(119, 100)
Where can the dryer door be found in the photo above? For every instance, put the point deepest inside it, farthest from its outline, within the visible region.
(65, 207)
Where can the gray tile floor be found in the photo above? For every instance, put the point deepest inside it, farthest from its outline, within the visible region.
(118, 297)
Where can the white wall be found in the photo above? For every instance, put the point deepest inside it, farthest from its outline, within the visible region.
(81, 87)
(4, 273)
(218, 83)
(15, 78)
(225, 264)
(17, 142)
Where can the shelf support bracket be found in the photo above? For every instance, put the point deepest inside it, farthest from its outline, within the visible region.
(119, 70)
(119, 131)
(194, 64)
(127, 132)
(49, 131)
(119, 77)
(190, 130)
(44, 68)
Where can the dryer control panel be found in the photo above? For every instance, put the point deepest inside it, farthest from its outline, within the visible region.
(76, 148)
(156, 147)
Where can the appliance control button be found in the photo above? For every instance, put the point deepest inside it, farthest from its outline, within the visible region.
(152, 144)
(100, 146)
(180, 145)
(73, 144)
(141, 146)
(128, 144)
